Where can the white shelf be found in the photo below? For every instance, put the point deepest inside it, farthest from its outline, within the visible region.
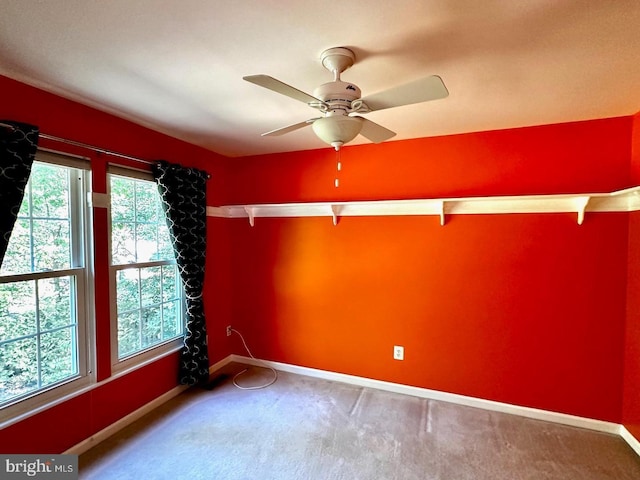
(627, 200)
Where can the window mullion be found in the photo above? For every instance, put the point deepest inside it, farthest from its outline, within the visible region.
(161, 302)
(38, 333)
(76, 211)
(135, 221)
(140, 307)
(32, 262)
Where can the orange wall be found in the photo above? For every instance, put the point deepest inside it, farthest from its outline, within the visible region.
(631, 405)
(564, 158)
(524, 309)
(65, 425)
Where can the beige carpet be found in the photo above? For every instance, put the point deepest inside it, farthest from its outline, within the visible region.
(305, 428)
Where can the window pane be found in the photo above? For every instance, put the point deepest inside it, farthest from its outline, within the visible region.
(127, 289)
(41, 238)
(128, 333)
(54, 301)
(170, 283)
(57, 354)
(151, 285)
(151, 327)
(171, 320)
(51, 249)
(17, 259)
(139, 230)
(165, 247)
(123, 243)
(17, 310)
(147, 242)
(50, 191)
(18, 368)
(146, 202)
(26, 323)
(149, 307)
(122, 200)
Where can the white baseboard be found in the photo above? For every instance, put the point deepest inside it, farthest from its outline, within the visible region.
(630, 439)
(115, 427)
(218, 365)
(534, 413)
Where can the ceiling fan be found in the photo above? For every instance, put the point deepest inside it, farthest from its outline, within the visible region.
(340, 102)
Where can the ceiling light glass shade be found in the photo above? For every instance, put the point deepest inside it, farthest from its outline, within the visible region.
(337, 130)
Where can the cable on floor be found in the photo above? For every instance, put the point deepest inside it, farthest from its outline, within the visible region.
(258, 387)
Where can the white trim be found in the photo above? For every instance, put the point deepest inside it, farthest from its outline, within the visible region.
(218, 365)
(630, 439)
(152, 355)
(115, 427)
(81, 390)
(626, 200)
(534, 413)
(527, 412)
(118, 425)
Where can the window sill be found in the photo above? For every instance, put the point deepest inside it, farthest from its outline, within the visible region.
(43, 401)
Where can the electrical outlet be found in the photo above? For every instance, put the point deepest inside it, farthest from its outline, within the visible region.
(228, 330)
(398, 352)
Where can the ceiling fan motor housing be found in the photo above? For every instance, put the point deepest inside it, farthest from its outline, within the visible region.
(338, 94)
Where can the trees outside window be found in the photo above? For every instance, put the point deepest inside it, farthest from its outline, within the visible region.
(42, 286)
(147, 288)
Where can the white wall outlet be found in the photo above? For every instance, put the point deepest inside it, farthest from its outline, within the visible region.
(398, 352)
(228, 330)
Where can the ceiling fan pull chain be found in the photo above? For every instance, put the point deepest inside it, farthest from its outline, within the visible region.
(338, 168)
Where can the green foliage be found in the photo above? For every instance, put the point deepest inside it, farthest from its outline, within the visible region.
(148, 307)
(36, 332)
(38, 324)
(149, 298)
(38, 327)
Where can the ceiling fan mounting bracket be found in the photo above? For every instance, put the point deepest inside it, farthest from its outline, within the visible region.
(337, 60)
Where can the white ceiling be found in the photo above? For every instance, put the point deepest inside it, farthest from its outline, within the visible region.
(177, 66)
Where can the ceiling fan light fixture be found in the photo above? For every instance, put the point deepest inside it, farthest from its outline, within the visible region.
(337, 130)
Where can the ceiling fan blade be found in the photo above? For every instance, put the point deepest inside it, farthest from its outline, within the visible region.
(423, 90)
(282, 88)
(374, 132)
(289, 128)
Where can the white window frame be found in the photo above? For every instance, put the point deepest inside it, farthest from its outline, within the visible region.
(82, 258)
(154, 352)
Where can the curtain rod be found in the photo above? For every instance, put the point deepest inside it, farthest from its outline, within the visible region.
(82, 145)
(87, 146)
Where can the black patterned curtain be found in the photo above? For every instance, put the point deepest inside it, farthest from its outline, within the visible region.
(18, 145)
(183, 194)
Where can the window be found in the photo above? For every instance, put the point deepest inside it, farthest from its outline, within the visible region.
(44, 286)
(146, 286)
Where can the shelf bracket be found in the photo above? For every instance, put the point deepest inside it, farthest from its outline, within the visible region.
(335, 211)
(251, 213)
(581, 204)
(441, 209)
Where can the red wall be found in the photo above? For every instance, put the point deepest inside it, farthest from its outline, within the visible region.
(65, 425)
(631, 405)
(524, 309)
